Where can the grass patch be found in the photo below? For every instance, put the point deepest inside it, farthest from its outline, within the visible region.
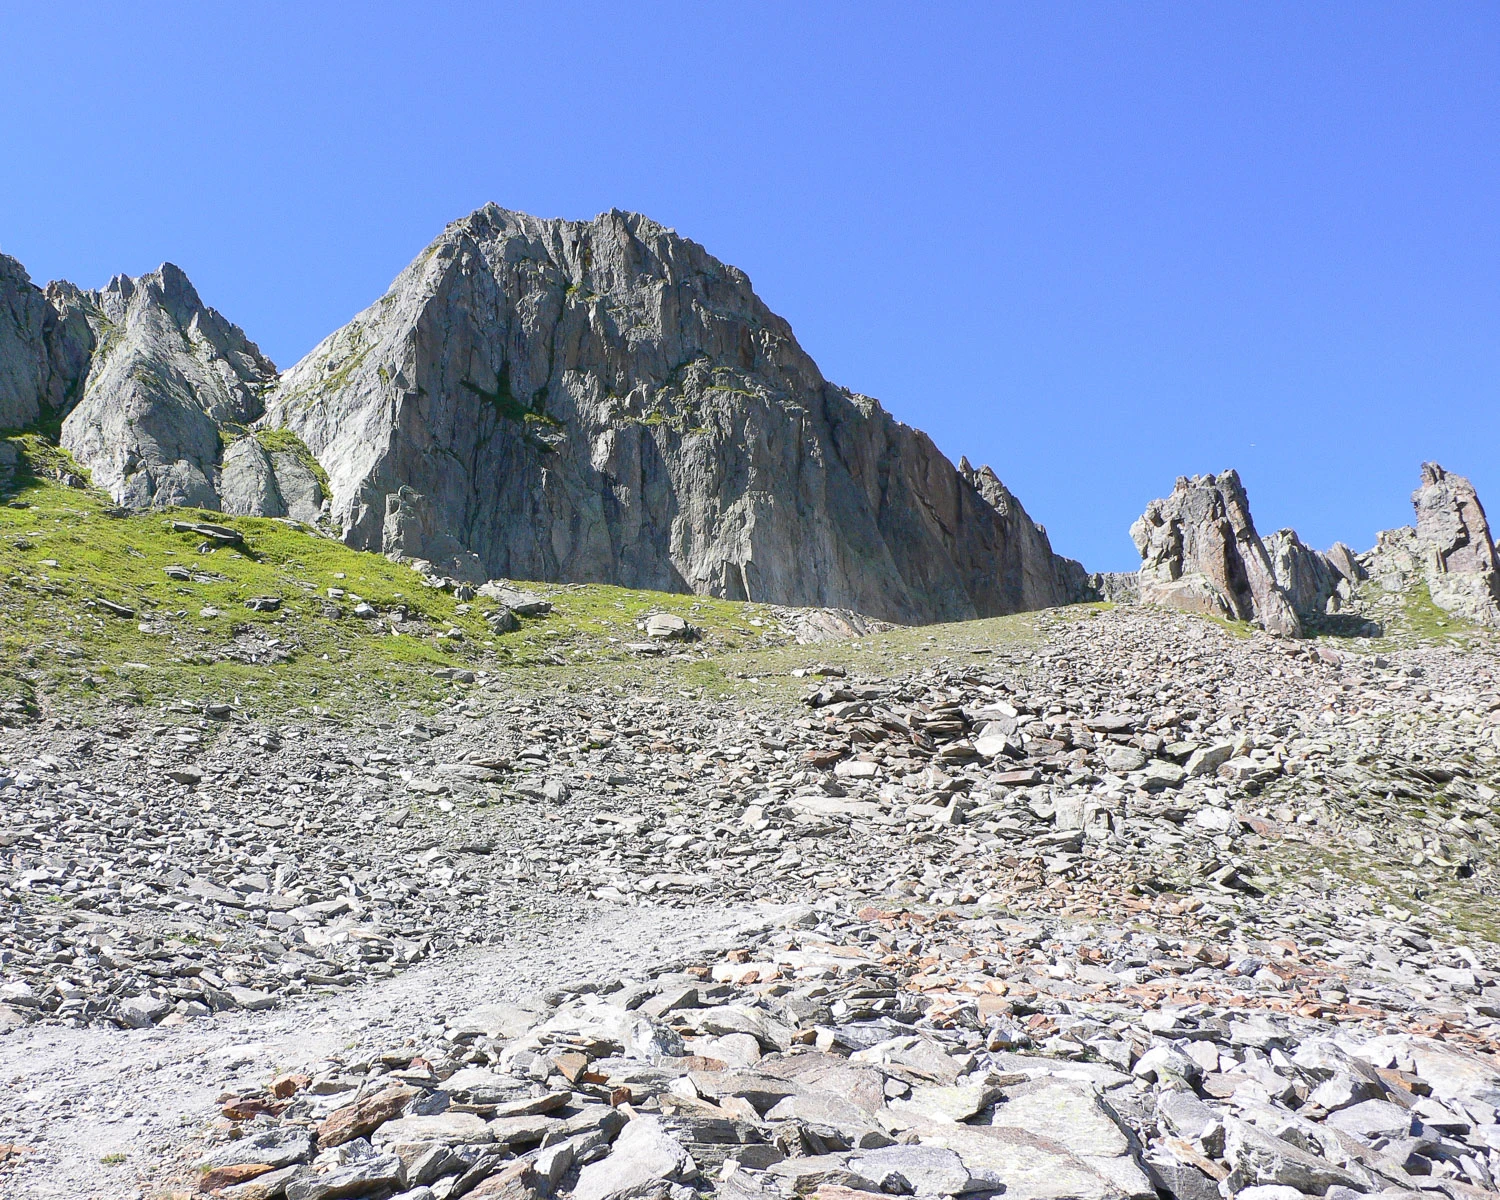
(1425, 620)
(284, 440)
(67, 554)
(1239, 629)
(90, 616)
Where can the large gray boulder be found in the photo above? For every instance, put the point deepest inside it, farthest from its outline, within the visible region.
(1200, 553)
(261, 477)
(166, 377)
(605, 401)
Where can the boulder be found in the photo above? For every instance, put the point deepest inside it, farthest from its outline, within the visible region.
(644, 1154)
(668, 627)
(263, 476)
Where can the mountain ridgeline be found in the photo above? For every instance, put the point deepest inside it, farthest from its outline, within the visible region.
(596, 401)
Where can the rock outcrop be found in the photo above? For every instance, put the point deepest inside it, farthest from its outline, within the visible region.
(270, 474)
(24, 364)
(1200, 553)
(166, 378)
(604, 401)
(1458, 552)
(155, 391)
(1450, 550)
(44, 351)
(1314, 582)
(595, 401)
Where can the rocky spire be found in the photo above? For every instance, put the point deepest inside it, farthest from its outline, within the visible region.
(168, 374)
(1457, 550)
(1200, 552)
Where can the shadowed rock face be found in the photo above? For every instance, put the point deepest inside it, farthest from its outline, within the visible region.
(44, 351)
(24, 365)
(1313, 581)
(1200, 552)
(604, 401)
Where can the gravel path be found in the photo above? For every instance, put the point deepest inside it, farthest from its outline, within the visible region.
(79, 1097)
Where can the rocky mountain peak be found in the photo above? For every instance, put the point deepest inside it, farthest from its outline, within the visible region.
(165, 376)
(604, 400)
(538, 398)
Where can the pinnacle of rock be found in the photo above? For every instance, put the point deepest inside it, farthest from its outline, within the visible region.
(1200, 553)
(1457, 549)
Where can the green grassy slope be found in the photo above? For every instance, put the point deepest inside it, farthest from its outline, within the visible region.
(65, 550)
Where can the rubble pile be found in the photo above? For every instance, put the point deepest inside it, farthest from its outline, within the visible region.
(896, 1053)
(1137, 906)
(160, 872)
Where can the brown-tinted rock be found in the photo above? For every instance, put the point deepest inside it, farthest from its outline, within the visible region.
(221, 1177)
(364, 1116)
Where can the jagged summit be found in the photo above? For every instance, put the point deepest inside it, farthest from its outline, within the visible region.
(605, 401)
(591, 401)
(166, 375)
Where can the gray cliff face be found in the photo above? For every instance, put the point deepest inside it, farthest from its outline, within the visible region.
(24, 365)
(260, 481)
(166, 375)
(1200, 552)
(604, 401)
(1042, 579)
(44, 351)
(151, 385)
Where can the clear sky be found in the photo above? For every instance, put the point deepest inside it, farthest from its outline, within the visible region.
(1094, 245)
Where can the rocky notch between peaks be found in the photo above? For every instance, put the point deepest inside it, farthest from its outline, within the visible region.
(596, 401)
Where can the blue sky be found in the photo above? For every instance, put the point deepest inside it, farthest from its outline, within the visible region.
(1096, 246)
